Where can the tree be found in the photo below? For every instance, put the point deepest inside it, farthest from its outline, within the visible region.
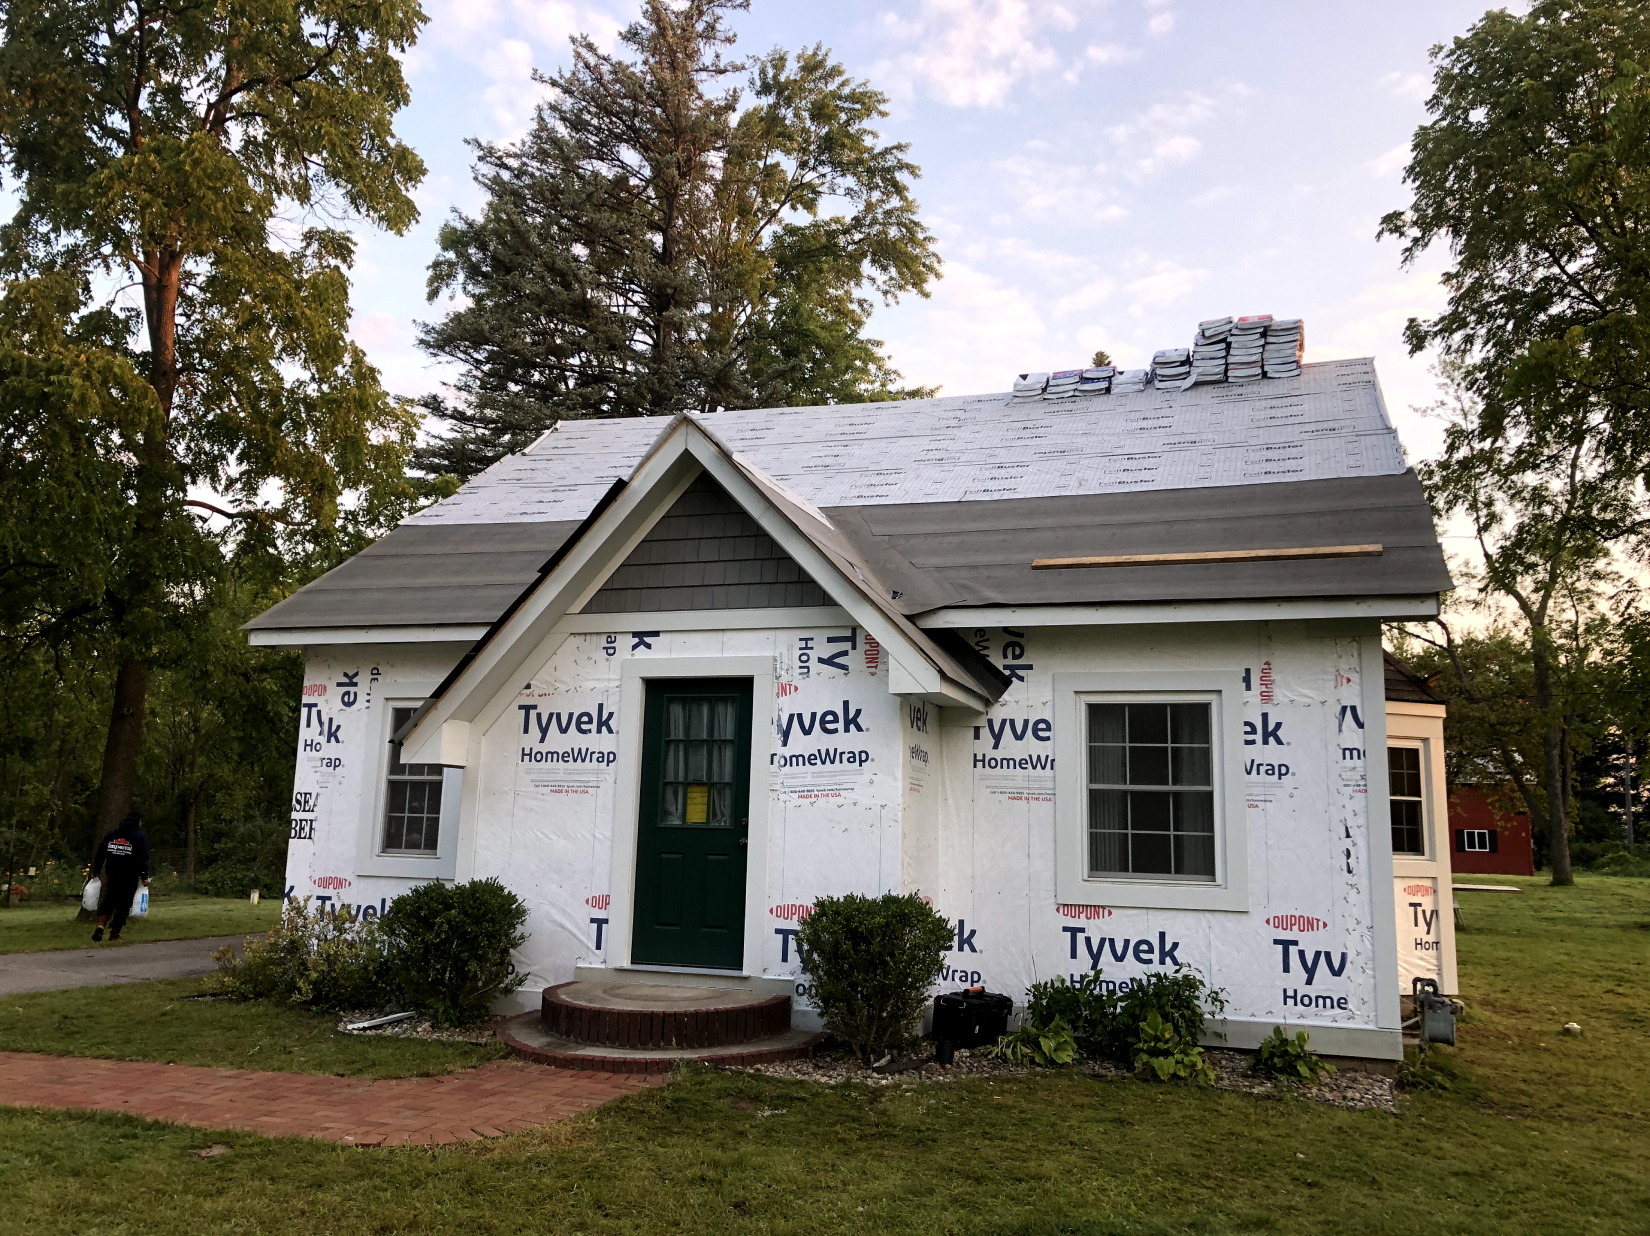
(1545, 516)
(1101, 359)
(1535, 171)
(660, 242)
(201, 152)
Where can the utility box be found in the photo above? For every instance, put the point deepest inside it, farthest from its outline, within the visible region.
(971, 1018)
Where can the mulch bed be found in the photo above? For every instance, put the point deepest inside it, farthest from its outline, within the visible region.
(1360, 1091)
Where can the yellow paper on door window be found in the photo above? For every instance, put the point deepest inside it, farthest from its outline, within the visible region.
(698, 803)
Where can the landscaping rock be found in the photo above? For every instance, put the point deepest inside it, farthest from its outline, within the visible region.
(1361, 1091)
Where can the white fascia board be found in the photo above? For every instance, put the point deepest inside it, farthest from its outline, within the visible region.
(919, 671)
(1380, 609)
(293, 637)
(655, 484)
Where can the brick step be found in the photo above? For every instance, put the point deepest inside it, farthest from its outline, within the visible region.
(525, 1036)
(654, 1017)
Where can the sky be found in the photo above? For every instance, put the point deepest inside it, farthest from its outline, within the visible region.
(1097, 174)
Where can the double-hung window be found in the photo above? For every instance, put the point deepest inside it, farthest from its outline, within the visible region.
(1151, 800)
(412, 814)
(1405, 781)
(1149, 789)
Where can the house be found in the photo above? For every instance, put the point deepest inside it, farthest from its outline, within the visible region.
(1486, 838)
(1420, 809)
(1099, 676)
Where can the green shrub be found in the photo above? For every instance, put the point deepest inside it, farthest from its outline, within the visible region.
(231, 880)
(1162, 1052)
(450, 947)
(1282, 1056)
(1107, 1024)
(1622, 860)
(1048, 1045)
(316, 957)
(870, 962)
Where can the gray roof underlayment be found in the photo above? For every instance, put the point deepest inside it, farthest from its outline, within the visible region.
(949, 500)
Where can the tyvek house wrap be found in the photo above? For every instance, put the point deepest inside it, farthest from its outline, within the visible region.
(903, 802)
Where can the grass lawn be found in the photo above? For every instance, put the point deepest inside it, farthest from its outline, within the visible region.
(1536, 1133)
(158, 1021)
(175, 916)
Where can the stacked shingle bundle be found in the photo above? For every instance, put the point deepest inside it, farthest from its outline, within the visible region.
(1062, 384)
(1096, 381)
(1129, 381)
(1030, 385)
(1285, 345)
(1209, 350)
(1172, 367)
(1244, 347)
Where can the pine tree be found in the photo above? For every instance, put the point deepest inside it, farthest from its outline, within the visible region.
(654, 244)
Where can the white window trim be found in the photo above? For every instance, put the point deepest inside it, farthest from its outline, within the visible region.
(633, 676)
(370, 856)
(1429, 842)
(1223, 691)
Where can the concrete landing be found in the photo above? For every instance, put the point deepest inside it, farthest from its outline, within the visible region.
(526, 1037)
(645, 1016)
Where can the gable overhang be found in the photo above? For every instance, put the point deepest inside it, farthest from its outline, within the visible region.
(441, 732)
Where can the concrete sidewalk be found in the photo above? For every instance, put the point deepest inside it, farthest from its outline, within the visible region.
(97, 967)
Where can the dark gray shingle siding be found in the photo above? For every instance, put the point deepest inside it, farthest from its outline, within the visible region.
(706, 553)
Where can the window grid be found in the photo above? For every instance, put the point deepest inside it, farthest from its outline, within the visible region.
(701, 738)
(1475, 840)
(1408, 804)
(1151, 790)
(412, 814)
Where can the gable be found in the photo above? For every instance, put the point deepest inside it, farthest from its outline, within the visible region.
(706, 552)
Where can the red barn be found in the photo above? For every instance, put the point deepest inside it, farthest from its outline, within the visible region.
(1486, 840)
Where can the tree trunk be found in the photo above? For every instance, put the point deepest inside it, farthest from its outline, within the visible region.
(1552, 749)
(120, 752)
(189, 835)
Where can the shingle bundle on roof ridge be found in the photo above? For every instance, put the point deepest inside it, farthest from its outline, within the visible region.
(1030, 385)
(1284, 346)
(1209, 350)
(1062, 383)
(1096, 381)
(1130, 381)
(1244, 347)
(1172, 367)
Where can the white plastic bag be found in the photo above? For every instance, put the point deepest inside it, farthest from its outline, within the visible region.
(90, 897)
(140, 902)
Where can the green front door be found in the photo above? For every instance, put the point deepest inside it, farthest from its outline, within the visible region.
(690, 844)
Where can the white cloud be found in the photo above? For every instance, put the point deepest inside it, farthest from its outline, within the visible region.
(1162, 24)
(1112, 53)
(1392, 162)
(972, 53)
(1407, 85)
(1070, 191)
(1166, 284)
(974, 335)
(1160, 136)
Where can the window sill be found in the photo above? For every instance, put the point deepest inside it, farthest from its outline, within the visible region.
(1138, 894)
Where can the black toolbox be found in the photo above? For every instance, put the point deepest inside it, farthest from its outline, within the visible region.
(973, 1018)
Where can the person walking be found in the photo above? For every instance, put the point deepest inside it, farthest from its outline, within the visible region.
(122, 859)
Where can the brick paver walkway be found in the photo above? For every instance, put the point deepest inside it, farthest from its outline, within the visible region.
(497, 1098)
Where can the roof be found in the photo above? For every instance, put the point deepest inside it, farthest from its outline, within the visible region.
(1407, 686)
(947, 501)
